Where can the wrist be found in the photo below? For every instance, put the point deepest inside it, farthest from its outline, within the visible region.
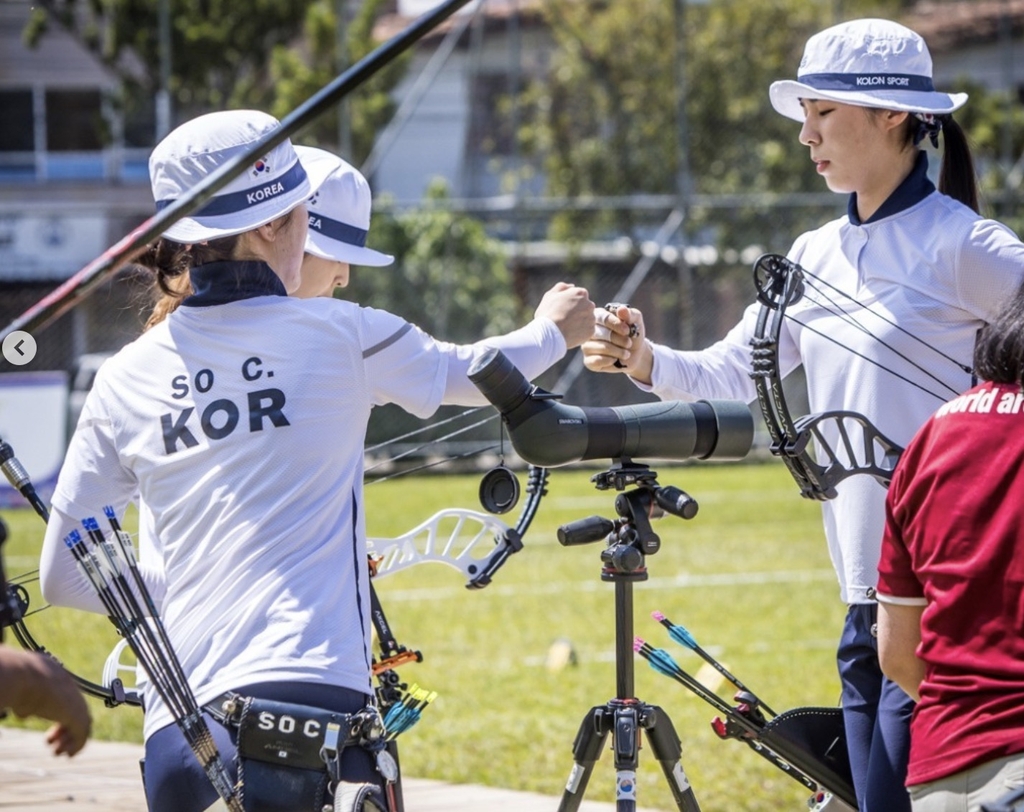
(643, 368)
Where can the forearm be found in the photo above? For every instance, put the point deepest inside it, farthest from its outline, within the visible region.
(532, 349)
(24, 686)
(906, 670)
(721, 371)
(15, 680)
(899, 635)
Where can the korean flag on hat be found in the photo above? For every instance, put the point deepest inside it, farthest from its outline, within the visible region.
(274, 184)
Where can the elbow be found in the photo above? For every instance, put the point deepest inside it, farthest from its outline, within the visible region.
(903, 668)
(49, 587)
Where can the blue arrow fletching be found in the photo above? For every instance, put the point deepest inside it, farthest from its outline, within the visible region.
(682, 636)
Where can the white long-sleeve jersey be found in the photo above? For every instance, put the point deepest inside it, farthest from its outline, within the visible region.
(241, 426)
(936, 269)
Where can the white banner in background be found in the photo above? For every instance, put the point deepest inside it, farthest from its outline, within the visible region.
(48, 246)
(33, 420)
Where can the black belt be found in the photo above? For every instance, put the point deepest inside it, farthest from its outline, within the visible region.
(226, 708)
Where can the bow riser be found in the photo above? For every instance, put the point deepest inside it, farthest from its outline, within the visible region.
(780, 283)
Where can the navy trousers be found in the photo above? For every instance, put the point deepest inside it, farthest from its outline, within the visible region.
(876, 713)
(175, 781)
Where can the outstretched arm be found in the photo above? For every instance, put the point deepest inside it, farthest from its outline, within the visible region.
(563, 320)
(722, 370)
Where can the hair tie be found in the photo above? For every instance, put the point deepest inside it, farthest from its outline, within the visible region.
(928, 125)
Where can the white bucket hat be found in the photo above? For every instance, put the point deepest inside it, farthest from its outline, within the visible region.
(339, 211)
(868, 63)
(274, 184)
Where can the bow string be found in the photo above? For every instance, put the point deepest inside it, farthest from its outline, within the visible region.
(461, 548)
(858, 447)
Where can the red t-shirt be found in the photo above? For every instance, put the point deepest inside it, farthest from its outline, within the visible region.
(955, 536)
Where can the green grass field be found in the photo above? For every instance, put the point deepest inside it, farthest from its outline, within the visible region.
(749, 576)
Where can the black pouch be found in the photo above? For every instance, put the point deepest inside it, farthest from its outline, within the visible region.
(814, 741)
(280, 767)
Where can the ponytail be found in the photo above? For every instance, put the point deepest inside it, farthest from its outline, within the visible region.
(956, 176)
(170, 263)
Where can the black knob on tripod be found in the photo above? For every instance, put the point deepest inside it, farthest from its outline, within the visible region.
(676, 501)
(623, 559)
(584, 531)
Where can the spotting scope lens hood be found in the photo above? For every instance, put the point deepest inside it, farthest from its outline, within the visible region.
(547, 433)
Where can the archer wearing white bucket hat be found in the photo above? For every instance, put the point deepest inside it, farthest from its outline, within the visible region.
(339, 212)
(238, 421)
(870, 63)
(913, 263)
(271, 186)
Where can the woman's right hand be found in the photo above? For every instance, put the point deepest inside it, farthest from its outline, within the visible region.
(570, 308)
(619, 344)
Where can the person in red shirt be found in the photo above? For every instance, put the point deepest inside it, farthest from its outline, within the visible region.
(951, 583)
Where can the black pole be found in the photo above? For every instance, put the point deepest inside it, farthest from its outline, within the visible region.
(88, 278)
(624, 672)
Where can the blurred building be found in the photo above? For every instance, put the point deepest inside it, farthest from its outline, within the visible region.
(73, 181)
(978, 39)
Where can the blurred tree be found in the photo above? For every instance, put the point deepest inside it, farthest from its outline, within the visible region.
(269, 54)
(604, 118)
(296, 74)
(449, 277)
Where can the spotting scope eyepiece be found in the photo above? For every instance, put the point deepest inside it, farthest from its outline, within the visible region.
(547, 433)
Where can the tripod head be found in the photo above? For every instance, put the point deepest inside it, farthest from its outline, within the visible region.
(630, 537)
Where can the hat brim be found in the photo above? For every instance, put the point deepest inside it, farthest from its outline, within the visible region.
(324, 247)
(319, 165)
(786, 95)
(201, 229)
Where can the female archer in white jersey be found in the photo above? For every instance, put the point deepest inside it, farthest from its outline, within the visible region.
(239, 420)
(911, 255)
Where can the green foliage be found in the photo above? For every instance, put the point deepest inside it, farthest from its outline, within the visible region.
(268, 54)
(449, 277)
(994, 123)
(296, 74)
(749, 577)
(605, 116)
(220, 49)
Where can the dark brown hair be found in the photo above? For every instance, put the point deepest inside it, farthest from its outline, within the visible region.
(956, 173)
(999, 352)
(170, 263)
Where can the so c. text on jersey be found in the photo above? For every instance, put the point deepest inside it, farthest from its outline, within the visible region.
(221, 416)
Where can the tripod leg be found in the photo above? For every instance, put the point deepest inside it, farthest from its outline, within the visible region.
(668, 750)
(586, 750)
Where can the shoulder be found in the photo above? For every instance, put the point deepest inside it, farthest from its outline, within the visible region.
(132, 355)
(824, 235)
(956, 220)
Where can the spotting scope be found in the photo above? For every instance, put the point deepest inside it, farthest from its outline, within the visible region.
(547, 433)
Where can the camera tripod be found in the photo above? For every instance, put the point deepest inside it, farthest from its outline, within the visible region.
(630, 540)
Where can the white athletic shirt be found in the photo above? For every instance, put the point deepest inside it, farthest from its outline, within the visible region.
(923, 261)
(241, 425)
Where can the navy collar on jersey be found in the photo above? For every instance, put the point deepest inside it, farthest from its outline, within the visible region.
(217, 283)
(915, 187)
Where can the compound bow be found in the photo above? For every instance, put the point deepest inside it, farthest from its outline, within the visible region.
(861, 447)
(476, 544)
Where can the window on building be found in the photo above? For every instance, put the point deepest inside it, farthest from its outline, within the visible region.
(74, 121)
(16, 121)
